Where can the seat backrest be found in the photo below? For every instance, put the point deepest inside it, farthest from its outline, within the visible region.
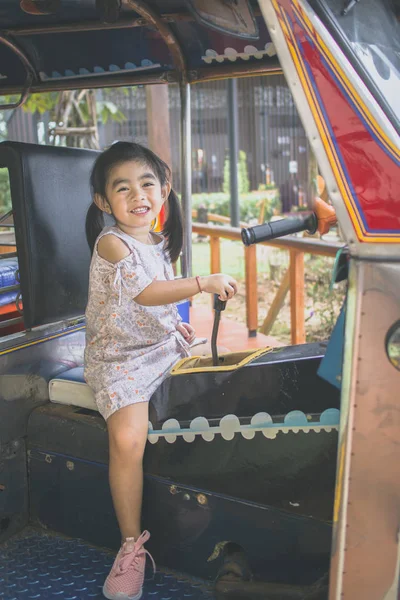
(50, 196)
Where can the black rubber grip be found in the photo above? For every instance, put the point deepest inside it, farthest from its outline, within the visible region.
(274, 229)
(219, 305)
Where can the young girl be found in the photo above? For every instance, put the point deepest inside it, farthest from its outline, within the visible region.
(134, 334)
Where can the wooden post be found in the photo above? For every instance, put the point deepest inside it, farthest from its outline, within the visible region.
(277, 304)
(250, 254)
(298, 333)
(159, 138)
(215, 255)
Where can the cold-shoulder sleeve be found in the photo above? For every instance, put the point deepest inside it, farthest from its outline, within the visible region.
(130, 276)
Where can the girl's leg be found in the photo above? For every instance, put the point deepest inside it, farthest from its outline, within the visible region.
(127, 433)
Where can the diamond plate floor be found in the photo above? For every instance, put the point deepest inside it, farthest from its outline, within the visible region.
(43, 566)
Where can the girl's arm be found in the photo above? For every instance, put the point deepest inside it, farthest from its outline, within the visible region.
(113, 249)
(168, 292)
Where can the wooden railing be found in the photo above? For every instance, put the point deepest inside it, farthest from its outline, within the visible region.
(293, 279)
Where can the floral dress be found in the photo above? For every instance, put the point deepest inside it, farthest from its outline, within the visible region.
(130, 348)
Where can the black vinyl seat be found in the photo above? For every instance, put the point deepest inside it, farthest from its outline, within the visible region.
(50, 196)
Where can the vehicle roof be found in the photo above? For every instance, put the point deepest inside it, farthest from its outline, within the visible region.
(73, 48)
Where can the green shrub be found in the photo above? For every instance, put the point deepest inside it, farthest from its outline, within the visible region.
(243, 176)
(219, 203)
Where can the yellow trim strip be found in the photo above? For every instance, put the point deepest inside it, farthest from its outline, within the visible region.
(41, 340)
(179, 368)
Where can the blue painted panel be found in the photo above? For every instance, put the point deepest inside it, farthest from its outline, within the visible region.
(183, 310)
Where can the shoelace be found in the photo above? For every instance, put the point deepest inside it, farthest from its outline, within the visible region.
(131, 559)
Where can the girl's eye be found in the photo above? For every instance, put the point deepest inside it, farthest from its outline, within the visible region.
(147, 184)
(122, 189)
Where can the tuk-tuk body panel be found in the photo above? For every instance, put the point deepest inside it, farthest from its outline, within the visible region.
(364, 160)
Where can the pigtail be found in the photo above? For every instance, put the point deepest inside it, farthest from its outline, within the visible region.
(94, 224)
(173, 227)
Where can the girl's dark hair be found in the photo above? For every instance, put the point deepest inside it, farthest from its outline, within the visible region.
(116, 154)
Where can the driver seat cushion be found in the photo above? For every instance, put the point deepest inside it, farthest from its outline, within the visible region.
(71, 389)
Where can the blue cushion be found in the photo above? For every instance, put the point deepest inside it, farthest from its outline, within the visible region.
(70, 388)
(8, 276)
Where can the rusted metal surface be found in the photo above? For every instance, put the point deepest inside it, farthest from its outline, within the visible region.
(169, 38)
(233, 70)
(30, 72)
(125, 23)
(21, 55)
(366, 549)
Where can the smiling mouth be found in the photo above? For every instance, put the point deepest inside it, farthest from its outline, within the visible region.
(142, 210)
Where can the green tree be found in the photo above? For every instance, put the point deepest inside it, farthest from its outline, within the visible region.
(47, 102)
(106, 108)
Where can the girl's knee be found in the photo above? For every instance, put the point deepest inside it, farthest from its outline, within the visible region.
(128, 442)
(127, 431)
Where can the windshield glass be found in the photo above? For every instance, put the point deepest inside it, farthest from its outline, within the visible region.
(372, 30)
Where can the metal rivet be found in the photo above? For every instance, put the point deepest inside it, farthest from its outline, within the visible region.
(70, 465)
(48, 458)
(186, 497)
(202, 499)
(173, 490)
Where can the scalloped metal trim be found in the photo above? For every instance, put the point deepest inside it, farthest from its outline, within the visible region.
(232, 55)
(230, 425)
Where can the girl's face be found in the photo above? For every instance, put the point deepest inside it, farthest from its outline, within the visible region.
(134, 196)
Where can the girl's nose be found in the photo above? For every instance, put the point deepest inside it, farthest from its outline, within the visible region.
(136, 194)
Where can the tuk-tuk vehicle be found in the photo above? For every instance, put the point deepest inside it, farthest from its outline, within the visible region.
(275, 474)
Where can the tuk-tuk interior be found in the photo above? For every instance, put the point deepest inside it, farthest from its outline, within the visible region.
(240, 466)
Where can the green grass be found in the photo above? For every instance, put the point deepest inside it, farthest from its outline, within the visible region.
(232, 259)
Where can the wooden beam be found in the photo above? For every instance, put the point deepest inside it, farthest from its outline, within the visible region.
(7, 249)
(250, 254)
(277, 304)
(298, 333)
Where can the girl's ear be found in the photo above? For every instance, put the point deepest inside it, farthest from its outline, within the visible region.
(165, 191)
(102, 203)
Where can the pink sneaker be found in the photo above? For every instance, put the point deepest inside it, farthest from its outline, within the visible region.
(125, 581)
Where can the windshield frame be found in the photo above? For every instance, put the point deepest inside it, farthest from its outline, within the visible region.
(329, 20)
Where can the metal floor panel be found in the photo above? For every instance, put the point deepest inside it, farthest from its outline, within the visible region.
(42, 566)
